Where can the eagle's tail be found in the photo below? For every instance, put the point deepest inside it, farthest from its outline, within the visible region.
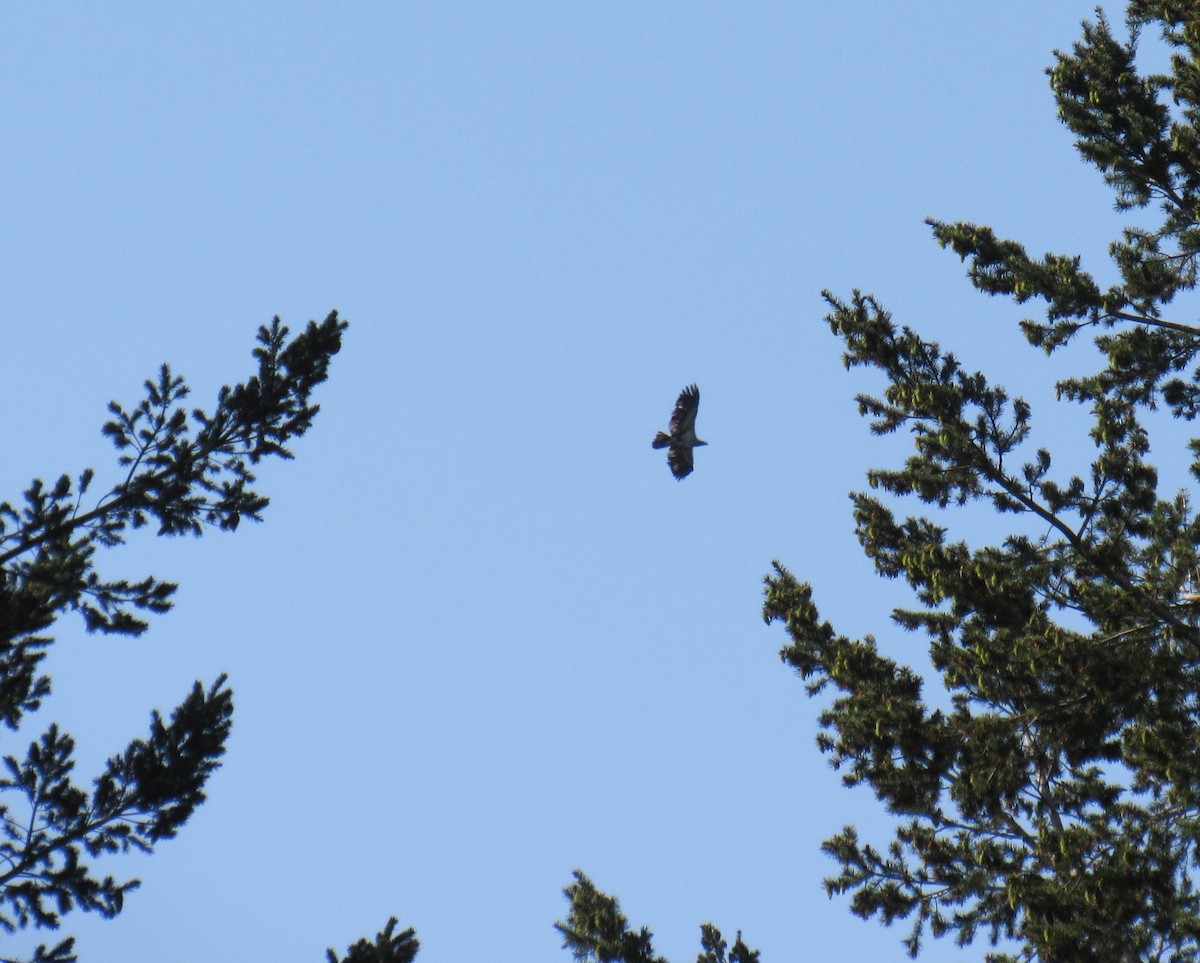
(661, 440)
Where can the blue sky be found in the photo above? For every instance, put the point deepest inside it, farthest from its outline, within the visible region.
(483, 637)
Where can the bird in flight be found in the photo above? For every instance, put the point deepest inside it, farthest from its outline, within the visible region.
(682, 438)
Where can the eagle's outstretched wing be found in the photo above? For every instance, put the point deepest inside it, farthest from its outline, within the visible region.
(680, 461)
(683, 418)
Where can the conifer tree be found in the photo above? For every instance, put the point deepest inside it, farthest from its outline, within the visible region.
(1049, 803)
(180, 474)
(596, 931)
(389, 947)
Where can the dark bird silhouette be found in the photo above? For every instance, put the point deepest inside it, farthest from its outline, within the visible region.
(682, 438)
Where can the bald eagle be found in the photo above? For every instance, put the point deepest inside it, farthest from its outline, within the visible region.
(682, 438)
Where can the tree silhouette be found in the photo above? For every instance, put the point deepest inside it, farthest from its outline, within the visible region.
(183, 474)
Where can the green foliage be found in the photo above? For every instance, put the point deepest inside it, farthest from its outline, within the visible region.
(1053, 801)
(596, 931)
(389, 947)
(714, 948)
(61, 953)
(183, 474)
